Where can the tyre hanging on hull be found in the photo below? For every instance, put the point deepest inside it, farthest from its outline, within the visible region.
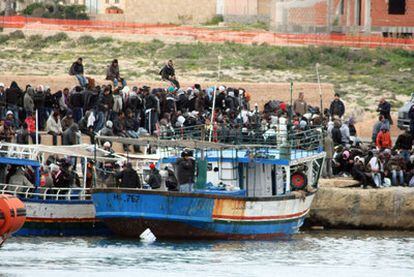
(298, 180)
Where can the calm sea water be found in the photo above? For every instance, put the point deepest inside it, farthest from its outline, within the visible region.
(314, 253)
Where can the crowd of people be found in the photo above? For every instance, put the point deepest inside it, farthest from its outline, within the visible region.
(118, 110)
(376, 162)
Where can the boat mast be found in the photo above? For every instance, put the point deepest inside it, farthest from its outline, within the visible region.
(212, 113)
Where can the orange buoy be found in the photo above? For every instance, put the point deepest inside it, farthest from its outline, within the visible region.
(12, 214)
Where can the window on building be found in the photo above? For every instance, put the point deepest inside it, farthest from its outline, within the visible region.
(106, 1)
(396, 6)
(116, 1)
(342, 7)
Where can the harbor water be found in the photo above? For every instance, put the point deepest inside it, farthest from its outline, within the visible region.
(311, 253)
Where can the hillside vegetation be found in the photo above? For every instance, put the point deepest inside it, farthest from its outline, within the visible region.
(361, 75)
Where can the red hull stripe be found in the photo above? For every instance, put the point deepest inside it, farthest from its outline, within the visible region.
(253, 218)
(52, 220)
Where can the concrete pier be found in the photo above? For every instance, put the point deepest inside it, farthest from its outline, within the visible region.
(338, 206)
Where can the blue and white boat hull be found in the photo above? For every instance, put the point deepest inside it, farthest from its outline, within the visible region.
(200, 216)
(61, 218)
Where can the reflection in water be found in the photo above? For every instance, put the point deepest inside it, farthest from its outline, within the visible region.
(323, 253)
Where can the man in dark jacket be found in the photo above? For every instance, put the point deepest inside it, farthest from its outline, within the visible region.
(154, 179)
(151, 110)
(404, 143)
(112, 74)
(411, 117)
(185, 171)
(77, 70)
(337, 107)
(70, 137)
(336, 133)
(168, 74)
(128, 177)
(171, 181)
(384, 108)
(14, 99)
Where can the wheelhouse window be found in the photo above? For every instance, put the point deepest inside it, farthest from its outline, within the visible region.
(396, 6)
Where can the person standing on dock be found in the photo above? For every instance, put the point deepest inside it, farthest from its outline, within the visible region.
(384, 109)
(337, 107)
(185, 172)
(300, 107)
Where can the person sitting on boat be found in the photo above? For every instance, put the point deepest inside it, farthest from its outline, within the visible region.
(128, 177)
(185, 171)
(154, 179)
(18, 177)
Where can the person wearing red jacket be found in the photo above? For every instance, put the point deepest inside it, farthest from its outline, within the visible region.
(383, 140)
(31, 126)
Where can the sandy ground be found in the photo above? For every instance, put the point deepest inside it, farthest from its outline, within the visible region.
(261, 93)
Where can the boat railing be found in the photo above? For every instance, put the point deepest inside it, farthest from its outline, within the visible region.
(297, 142)
(46, 193)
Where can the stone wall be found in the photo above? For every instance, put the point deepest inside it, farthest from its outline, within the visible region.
(170, 11)
(247, 11)
(387, 208)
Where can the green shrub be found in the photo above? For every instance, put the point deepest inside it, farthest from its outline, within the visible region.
(35, 42)
(104, 40)
(86, 39)
(215, 20)
(47, 10)
(17, 35)
(32, 7)
(61, 36)
(74, 12)
(4, 38)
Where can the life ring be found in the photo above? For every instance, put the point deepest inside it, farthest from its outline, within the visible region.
(298, 180)
(12, 214)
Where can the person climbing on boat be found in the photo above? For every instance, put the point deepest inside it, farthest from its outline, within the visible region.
(128, 177)
(185, 171)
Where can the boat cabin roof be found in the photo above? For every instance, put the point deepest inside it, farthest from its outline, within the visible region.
(258, 155)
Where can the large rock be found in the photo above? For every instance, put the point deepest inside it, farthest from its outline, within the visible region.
(387, 208)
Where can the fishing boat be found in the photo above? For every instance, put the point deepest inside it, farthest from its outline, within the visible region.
(54, 211)
(244, 188)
